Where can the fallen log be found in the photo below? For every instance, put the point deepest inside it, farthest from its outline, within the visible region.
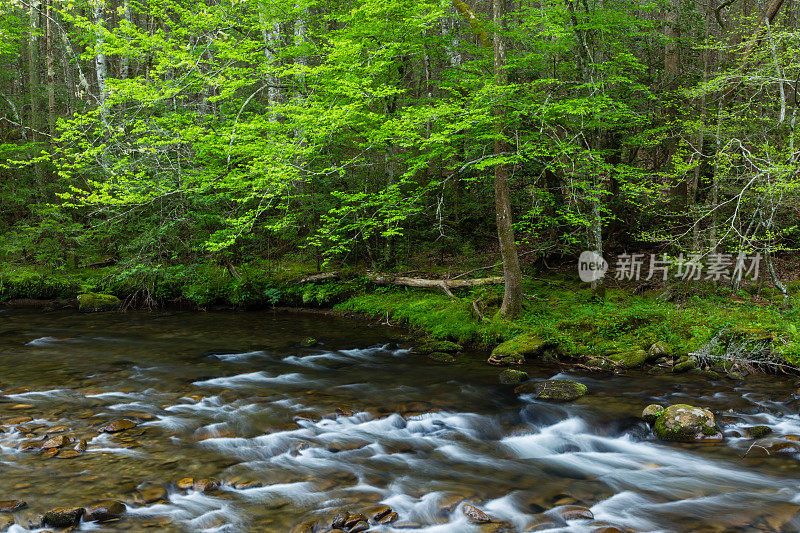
(444, 284)
(323, 276)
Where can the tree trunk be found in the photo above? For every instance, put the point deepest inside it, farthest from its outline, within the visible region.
(512, 298)
(671, 47)
(51, 74)
(100, 66)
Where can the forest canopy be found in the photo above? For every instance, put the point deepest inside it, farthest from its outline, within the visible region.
(160, 132)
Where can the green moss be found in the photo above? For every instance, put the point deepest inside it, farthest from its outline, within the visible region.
(683, 422)
(629, 359)
(758, 432)
(92, 301)
(554, 390)
(515, 351)
(438, 346)
(684, 366)
(652, 412)
(442, 357)
(512, 377)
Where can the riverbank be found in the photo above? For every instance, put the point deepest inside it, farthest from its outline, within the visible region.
(692, 327)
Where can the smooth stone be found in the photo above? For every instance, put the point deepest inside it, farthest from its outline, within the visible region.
(574, 512)
(187, 483)
(12, 506)
(105, 510)
(153, 493)
(378, 512)
(63, 516)
(52, 452)
(17, 421)
(115, 426)
(475, 515)
(69, 454)
(358, 527)
(6, 522)
(354, 519)
(388, 519)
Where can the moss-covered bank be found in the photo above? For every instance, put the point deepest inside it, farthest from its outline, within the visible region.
(560, 318)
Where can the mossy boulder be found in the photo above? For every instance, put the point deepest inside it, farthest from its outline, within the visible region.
(600, 363)
(659, 349)
(684, 366)
(92, 302)
(652, 412)
(758, 432)
(514, 351)
(512, 377)
(686, 423)
(442, 357)
(630, 359)
(553, 390)
(437, 346)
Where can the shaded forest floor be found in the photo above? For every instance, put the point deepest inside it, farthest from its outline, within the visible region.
(720, 328)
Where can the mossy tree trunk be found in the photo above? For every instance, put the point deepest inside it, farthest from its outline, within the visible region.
(512, 298)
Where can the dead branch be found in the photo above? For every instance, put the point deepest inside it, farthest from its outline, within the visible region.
(323, 276)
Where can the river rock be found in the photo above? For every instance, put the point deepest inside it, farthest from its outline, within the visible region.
(573, 512)
(358, 527)
(658, 349)
(388, 519)
(378, 512)
(186, 483)
(206, 485)
(57, 442)
(105, 510)
(758, 432)
(684, 366)
(553, 390)
(437, 346)
(475, 515)
(12, 506)
(115, 426)
(686, 423)
(152, 493)
(92, 302)
(651, 412)
(63, 516)
(512, 377)
(442, 357)
(17, 420)
(514, 351)
(6, 522)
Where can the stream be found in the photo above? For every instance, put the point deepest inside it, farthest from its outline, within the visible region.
(295, 431)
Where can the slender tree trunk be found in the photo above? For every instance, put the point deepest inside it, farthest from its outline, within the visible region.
(125, 65)
(34, 85)
(671, 59)
(51, 74)
(512, 298)
(100, 65)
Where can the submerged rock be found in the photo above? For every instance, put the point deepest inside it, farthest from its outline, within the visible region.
(512, 377)
(63, 516)
(553, 390)
(12, 506)
(437, 346)
(442, 357)
(514, 351)
(105, 510)
(115, 426)
(92, 302)
(686, 423)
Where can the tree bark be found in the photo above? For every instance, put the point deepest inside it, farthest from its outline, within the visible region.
(51, 74)
(512, 298)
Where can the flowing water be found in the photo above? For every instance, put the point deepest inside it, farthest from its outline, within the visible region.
(298, 433)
